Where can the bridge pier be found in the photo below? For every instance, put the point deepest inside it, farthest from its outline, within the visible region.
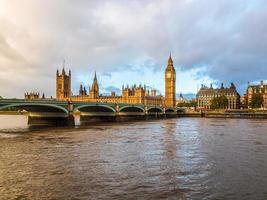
(50, 119)
(88, 117)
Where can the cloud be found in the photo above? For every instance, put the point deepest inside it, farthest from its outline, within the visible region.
(109, 89)
(220, 41)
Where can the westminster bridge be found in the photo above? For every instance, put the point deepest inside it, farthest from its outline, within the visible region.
(41, 112)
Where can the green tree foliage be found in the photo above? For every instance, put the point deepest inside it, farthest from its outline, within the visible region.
(1, 97)
(220, 102)
(189, 104)
(256, 100)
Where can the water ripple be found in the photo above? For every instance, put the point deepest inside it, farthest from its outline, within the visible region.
(185, 158)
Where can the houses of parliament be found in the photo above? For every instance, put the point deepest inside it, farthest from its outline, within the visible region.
(129, 95)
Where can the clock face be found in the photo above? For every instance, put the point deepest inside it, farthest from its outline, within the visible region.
(168, 75)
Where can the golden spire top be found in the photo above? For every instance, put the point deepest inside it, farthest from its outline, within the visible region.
(170, 62)
(95, 79)
(63, 69)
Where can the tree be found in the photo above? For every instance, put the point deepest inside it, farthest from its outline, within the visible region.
(1, 97)
(192, 103)
(256, 100)
(189, 104)
(220, 102)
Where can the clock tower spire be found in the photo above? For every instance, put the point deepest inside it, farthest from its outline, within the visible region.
(170, 80)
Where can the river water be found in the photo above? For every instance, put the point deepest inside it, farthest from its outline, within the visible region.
(184, 158)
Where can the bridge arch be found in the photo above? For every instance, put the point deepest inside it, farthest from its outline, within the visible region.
(154, 110)
(36, 107)
(180, 110)
(137, 109)
(170, 110)
(95, 108)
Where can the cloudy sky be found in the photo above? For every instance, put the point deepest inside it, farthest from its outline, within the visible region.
(129, 42)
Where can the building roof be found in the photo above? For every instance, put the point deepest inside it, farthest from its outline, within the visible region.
(258, 87)
(204, 90)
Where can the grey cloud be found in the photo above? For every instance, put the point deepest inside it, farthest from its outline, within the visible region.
(7, 52)
(225, 38)
(106, 74)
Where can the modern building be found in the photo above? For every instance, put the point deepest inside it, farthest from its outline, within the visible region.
(130, 95)
(206, 94)
(260, 88)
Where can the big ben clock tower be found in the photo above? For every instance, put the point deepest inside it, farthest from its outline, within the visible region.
(170, 78)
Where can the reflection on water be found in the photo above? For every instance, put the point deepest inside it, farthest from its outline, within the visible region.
(185, 158)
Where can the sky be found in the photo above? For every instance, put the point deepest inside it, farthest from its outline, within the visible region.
(129, 42)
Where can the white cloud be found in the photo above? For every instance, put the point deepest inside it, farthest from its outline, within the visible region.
(131, 41)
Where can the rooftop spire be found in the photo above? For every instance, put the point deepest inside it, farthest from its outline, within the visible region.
(95, 79)
(170, 62)
(63, 69)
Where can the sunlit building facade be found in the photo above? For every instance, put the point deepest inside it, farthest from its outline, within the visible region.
(260, 88)
(129, 95)
(206, 94)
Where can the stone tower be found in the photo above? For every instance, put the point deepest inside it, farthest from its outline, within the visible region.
(63, 85)
(170, 80)
(94, 92)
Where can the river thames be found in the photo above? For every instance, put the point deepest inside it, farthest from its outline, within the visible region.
(183, 158)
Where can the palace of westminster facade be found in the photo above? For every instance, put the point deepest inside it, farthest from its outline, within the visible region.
(141, 95)
(130, 95)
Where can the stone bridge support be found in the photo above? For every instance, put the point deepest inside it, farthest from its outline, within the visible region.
(41, 114)
(130, 113)
(49, 119)
(96, 113)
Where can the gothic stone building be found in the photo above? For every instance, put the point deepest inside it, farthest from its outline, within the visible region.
(63, 85)
(206, 94)
(261, 88)
(33, 96)
(130, 95)
(181, 99)
(170, 81)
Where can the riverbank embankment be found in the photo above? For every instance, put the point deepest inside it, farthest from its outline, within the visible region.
(245, 114)
(13, 113)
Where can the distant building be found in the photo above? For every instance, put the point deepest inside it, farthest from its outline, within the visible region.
(63, 85)
(243, 102)
(33, 96)
(261, 88)
(206, 94)
(130, 95)
(181, 99)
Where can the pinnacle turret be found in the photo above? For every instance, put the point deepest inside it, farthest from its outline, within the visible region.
(170, 64)
(63, 71)
(170, 61)
(95, 78)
